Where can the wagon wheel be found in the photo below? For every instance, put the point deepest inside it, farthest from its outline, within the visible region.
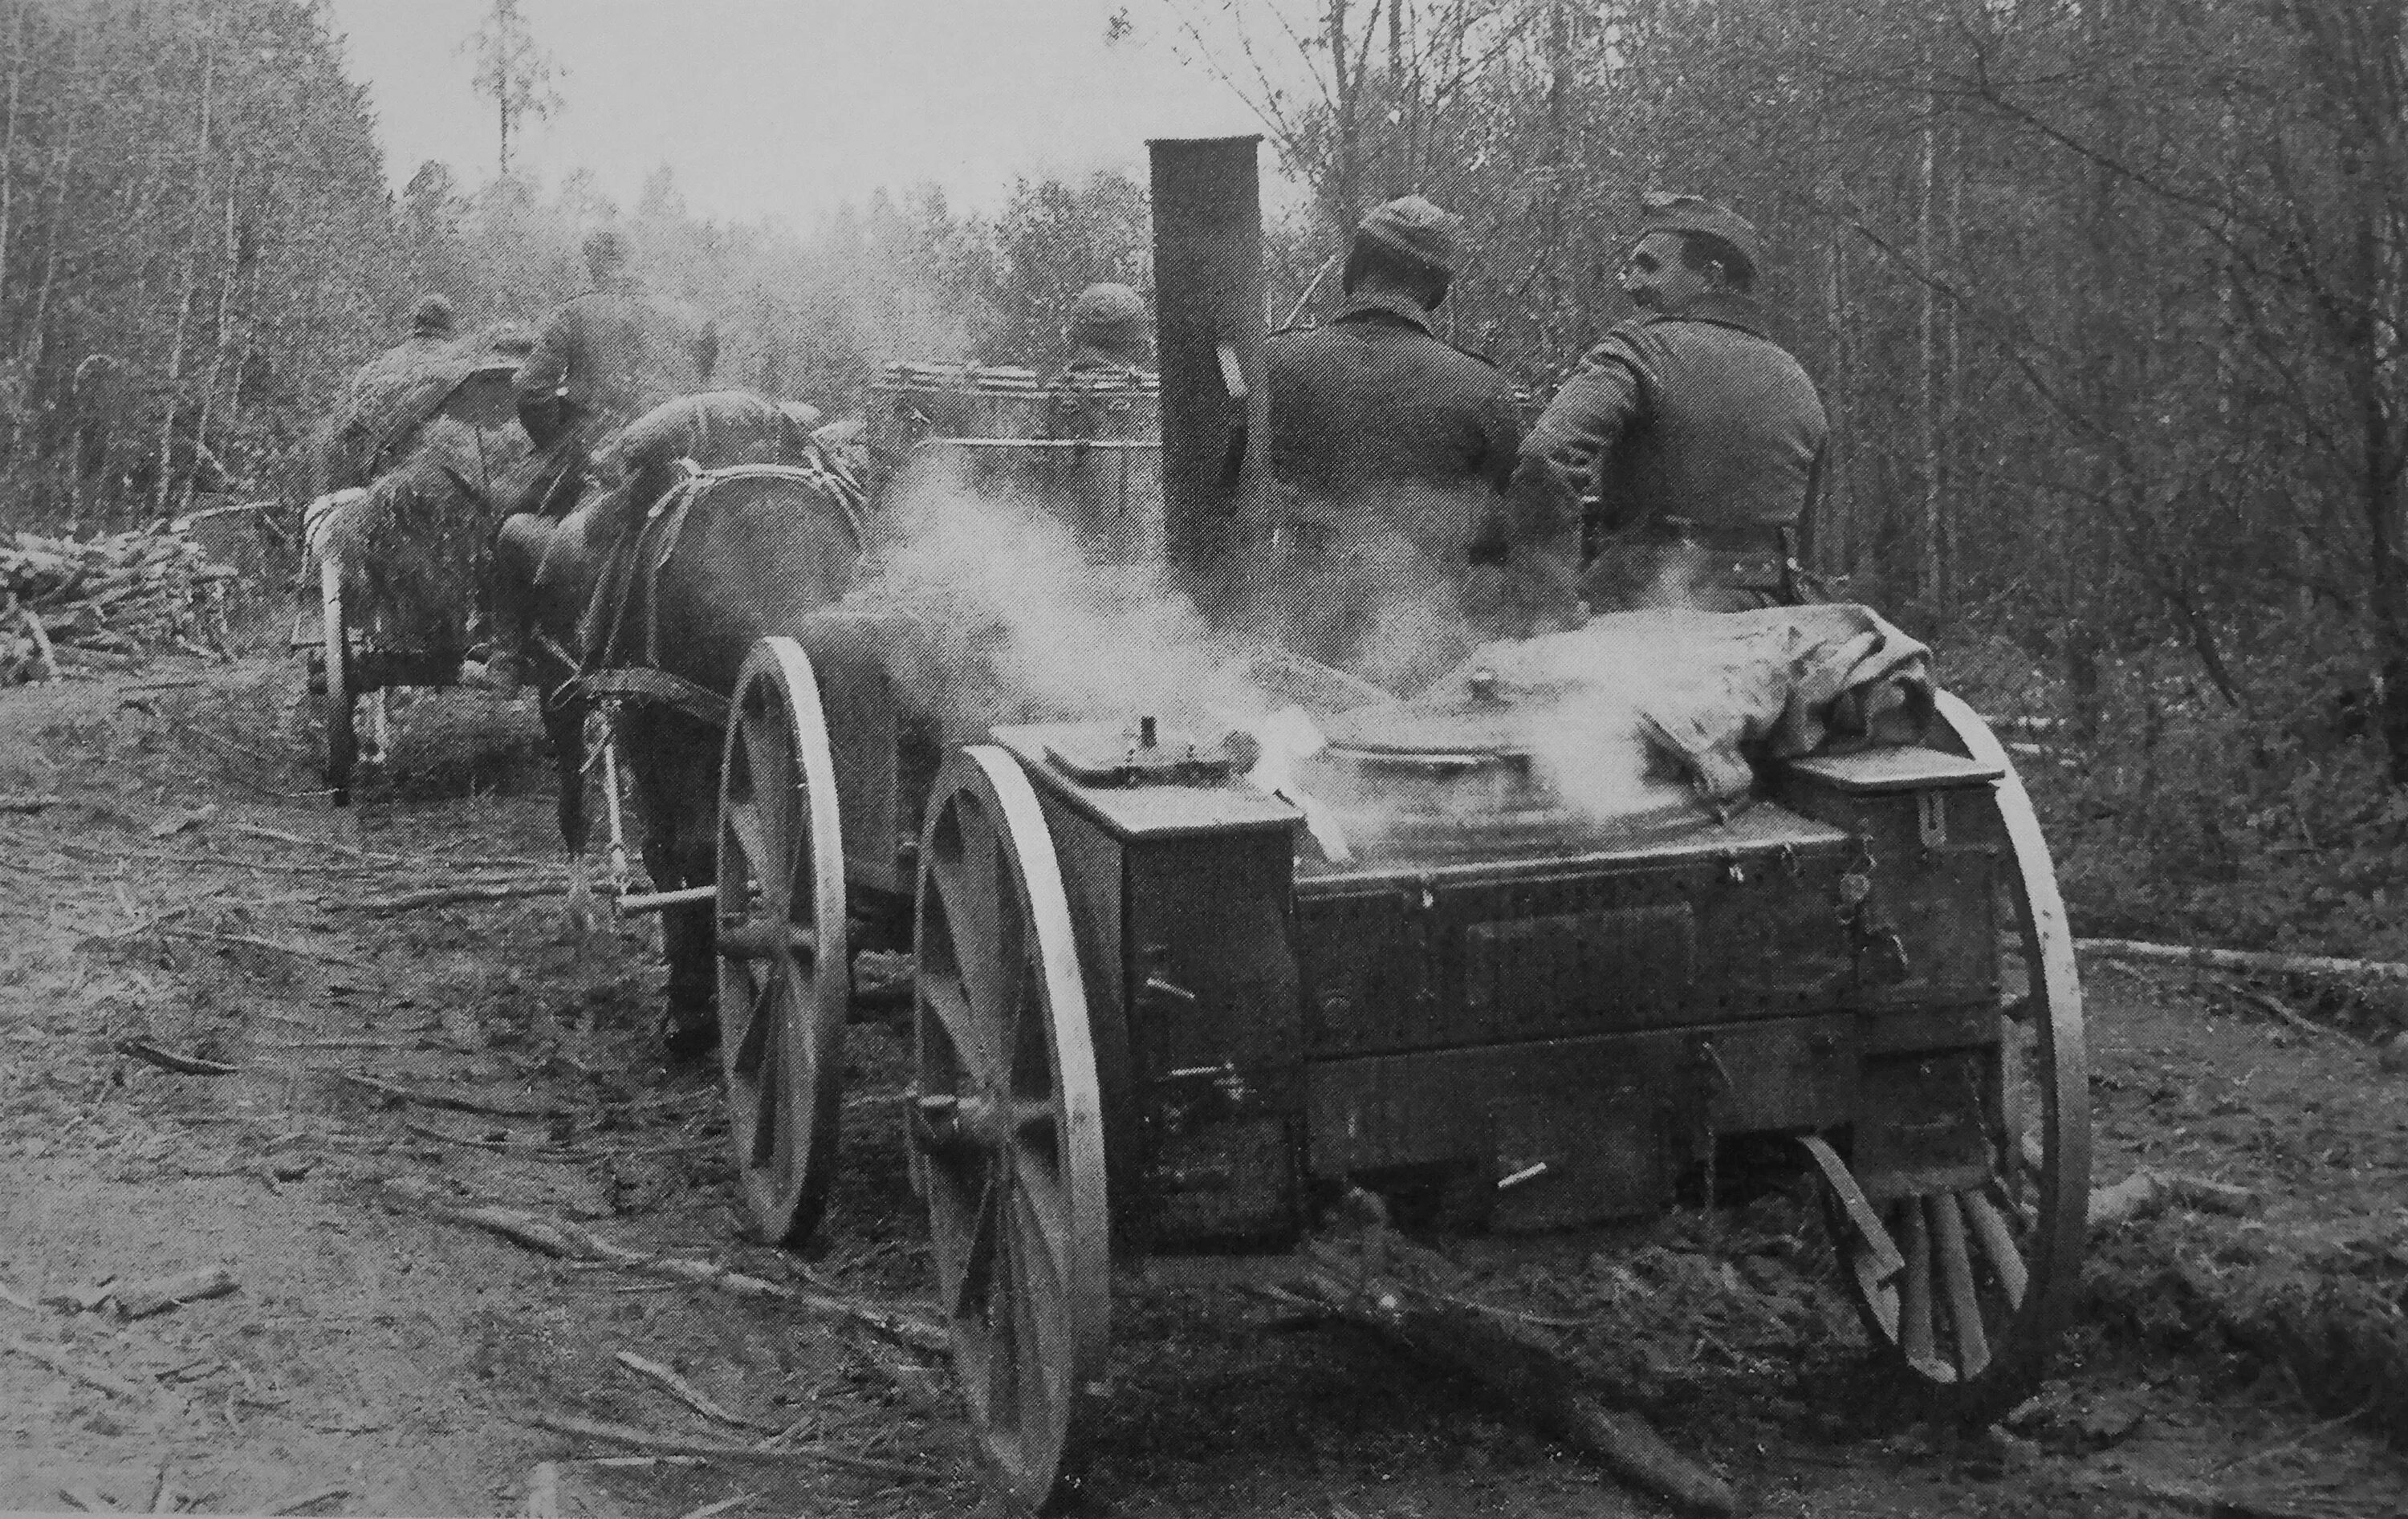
(1989, 1273)
(342, 737)
(783, 974)
(1006, 1124)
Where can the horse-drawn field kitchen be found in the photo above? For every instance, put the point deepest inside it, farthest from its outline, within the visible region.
(1466, 909)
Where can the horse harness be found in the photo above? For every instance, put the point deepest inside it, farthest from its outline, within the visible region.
(642, 554)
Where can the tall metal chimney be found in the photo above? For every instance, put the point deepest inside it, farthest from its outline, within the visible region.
(1208, 283)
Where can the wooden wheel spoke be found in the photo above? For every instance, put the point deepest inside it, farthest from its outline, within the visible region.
(744, 822)
(943, 997)
(1915, 1322)
(1957, 1279)
(1999, 1246)
(752, 1045)
(977, 1255)
(1036, 1337)
(768, 1100)
(1038, 1204)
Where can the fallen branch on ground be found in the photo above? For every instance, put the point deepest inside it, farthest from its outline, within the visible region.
(114, 1386)
(2264, 962)
(445, 1100)
(183, 1065)
(567, 1241)
(451, 895)
(21, 801)
(2284, 1013)
(645, 1440)
(683, 1391)
(721, 1507)
(159, 1294)
(1382, 1282)
(310, 1499)
(2144, 1190)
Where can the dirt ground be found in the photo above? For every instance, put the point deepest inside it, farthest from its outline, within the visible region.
(376, 1355)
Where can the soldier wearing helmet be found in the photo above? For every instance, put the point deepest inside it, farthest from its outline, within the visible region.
(1109, 332)
(1389, 451)
(1702, 436)
(607, 356)
(611, 353)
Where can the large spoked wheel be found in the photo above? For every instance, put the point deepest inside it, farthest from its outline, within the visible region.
(1005, 1122)
(782, 970)
(342, 737)
(1989, 1273)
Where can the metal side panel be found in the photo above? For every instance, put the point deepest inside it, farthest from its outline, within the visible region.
(1560, 948)
(1215, 1041)
(1578, 1130)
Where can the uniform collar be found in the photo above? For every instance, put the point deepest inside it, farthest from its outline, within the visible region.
(1372, 301)
(1724, 308)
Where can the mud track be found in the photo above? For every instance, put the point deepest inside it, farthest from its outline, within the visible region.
(189, 893)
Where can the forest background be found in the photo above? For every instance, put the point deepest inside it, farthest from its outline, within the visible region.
(2107, 300)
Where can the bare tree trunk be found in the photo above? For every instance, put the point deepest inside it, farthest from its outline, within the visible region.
(192, 273)
(218, 338)
(62, 161)
(1931, 584)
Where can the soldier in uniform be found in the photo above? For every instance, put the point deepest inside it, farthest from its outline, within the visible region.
(1389, 451)
(383, 404)
(1110, 332)
(1703, 438)
(606, 357)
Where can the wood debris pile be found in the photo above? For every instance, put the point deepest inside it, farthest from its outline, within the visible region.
(105, 601)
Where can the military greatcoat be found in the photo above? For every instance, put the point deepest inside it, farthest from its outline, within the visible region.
(1389, 453)
(1704, 439)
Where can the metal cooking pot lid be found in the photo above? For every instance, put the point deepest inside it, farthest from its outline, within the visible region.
(1481, 729)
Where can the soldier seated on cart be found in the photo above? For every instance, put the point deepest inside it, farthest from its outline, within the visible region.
(603, 358)
(1703, 437)
(1389, 453)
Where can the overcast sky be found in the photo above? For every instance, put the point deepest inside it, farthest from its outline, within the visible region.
(786, 108)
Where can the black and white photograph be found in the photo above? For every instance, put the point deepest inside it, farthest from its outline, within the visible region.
(1235, 759)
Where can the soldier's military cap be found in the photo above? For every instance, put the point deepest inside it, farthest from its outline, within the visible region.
(1417, 230)
(1661, 211)
(431, 317)
(1107, 312)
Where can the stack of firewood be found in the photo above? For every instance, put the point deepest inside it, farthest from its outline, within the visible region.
(105, 601)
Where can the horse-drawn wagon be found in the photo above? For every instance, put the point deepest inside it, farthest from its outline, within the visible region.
(1177, 990)
(395, 555)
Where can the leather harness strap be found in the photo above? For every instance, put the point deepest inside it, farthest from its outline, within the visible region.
(641, 683)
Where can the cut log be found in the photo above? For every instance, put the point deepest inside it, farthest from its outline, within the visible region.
(1382, 1282)
(2262, 962)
